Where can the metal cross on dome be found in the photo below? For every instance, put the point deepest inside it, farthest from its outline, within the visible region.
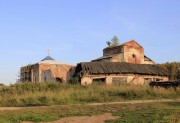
(49, 52)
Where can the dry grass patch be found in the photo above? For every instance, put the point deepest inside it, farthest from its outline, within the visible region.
(44, 94)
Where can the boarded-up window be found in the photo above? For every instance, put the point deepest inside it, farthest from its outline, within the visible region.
(119, 80)
(98, 81)
(158, 79)
(147, 81)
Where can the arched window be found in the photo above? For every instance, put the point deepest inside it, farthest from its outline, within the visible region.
(133, 55)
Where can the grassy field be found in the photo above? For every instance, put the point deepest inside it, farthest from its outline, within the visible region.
(128, 113)
(44, 94)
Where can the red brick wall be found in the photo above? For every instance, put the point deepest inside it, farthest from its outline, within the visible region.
(59, 70)
(133, 53)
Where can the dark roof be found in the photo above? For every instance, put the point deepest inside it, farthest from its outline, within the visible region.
(48, 58)
(147, 58)
(105, 57)
(119, 68)
(110, 56)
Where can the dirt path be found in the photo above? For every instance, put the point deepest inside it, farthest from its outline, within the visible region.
(106, 103)
(90, 119)
(84, 119)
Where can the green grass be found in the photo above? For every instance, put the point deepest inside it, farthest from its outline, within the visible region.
(128, 113)
(150, 113)
(42, 94)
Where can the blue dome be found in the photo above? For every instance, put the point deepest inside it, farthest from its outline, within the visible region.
(48, 58)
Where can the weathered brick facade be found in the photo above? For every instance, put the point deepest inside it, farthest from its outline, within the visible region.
(46, 71)
(127, 79)
(119, 73)
(133, 53)
(122, 64)
(130, 52)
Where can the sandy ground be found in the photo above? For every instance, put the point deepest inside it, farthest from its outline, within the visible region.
(84, 119)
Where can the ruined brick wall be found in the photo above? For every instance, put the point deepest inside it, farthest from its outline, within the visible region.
(118, 58)
(25, 73)
(45, 72)
(130, 79)
(47, 76)
(58, 71)
(86, 80)
(133, 53)
(35, 73)
(130, 52)
(113, 50)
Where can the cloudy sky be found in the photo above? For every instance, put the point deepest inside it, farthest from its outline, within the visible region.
(77, 30)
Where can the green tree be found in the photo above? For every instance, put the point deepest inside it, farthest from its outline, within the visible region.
(108, 43)
(74, 81)
(115, 41)
(173, 68)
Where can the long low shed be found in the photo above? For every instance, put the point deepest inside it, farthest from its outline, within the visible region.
(119, 73)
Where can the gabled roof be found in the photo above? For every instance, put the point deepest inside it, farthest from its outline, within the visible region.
(98, 68)
(110, 56)
(147, 58)
(125, 43)
(105, 57)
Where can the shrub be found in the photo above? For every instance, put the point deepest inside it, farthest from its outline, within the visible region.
(74, 81)
(1, 84)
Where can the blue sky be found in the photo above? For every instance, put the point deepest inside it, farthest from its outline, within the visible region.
(77, 30)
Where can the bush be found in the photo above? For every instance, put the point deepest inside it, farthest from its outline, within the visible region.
(74, 81)
(1, 84)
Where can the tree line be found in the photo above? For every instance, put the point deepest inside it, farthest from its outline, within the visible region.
(173, 68)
